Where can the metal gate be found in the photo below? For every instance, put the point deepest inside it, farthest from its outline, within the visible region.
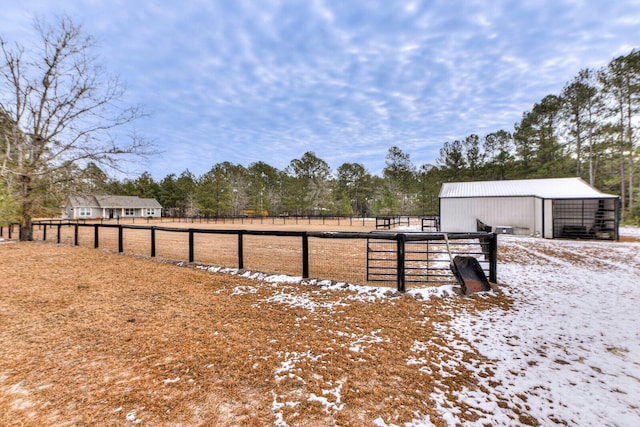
(586, 218)
(423, 257)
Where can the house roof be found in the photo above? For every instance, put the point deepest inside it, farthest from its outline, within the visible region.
(552, 188)
(126, 202)
(113, 202)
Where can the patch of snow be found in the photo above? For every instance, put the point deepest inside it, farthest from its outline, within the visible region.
(442, 291)
(276, 408)
(362, 342)
(288, 296)
(630, 231)
(242, 290)
(329, 406)
(132, 418)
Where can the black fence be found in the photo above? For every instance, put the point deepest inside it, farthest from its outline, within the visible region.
(9, 231)
(389, 222)
(426, 257)
(431, 223)
(404, 258)
(240, 219)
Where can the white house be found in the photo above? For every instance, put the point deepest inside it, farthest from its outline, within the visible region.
(556, 207)
(107, 207)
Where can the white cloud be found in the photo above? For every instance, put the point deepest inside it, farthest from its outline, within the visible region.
(232, 80)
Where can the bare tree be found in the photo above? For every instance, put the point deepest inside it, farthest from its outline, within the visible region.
(62, 108)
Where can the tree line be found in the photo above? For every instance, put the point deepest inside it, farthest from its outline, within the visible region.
(57, 111)
(589, 130)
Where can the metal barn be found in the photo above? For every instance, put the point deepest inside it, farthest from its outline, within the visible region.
(551, 208)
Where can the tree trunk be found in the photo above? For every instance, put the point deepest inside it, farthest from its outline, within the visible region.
(623, 195)
(630, 193)
(26, 209)
(631, 149)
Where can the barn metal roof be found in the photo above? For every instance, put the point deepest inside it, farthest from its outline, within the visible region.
(552, 188)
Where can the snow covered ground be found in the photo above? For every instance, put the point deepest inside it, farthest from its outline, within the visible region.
(570, 348)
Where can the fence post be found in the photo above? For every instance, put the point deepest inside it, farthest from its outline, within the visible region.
(240, 251)
(493, 258)
(153, 242)
(191, 257)
(10, 227)
(120, 240)
(95, 236)
(305, 256)
(75, 234)
(44, 233)
(59, 227)
(401, 238)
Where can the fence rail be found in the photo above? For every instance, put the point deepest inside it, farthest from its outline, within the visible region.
(411, 257)
(430, 223)
(389, 222)
(273, 220)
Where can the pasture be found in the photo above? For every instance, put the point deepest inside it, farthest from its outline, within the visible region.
(93, 337)
(341, 250)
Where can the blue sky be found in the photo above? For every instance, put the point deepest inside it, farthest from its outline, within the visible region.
(245, 81)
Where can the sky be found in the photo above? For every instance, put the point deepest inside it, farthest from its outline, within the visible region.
(269, 80)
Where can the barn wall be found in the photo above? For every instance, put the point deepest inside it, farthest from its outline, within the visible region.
(548, 219)
(539, 220)
(460, 214)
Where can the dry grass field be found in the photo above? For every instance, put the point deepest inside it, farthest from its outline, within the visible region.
(90, 337)
(94, 337)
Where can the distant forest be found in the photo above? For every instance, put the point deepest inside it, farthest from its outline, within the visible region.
(589, 130)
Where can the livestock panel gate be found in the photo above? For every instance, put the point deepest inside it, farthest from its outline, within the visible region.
(424, 258)
(586, 218)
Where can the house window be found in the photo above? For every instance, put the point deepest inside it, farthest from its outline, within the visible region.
(129, 212)
(151, 211)
(84, 211)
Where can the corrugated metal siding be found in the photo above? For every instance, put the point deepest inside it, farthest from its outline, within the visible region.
(538, 213)
(460, 214)
(548, 219)
(553, 188)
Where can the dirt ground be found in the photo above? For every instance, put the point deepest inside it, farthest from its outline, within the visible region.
(91, 337)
